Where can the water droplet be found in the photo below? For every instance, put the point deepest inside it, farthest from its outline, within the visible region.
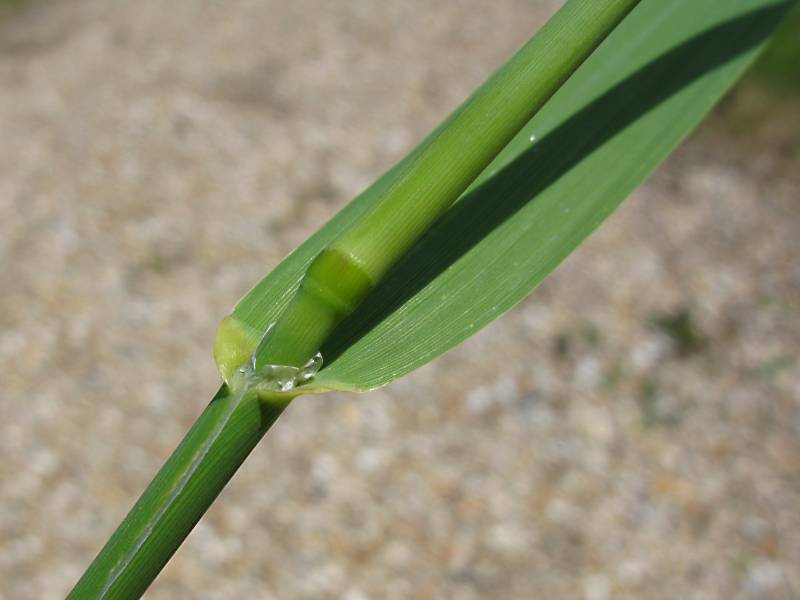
(284, 378)
(532, 137)
(274, 378)
(311, 368)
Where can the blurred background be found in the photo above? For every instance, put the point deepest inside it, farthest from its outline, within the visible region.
(632, 430)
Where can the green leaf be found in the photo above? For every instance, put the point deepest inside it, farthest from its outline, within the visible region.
(639, 95)
(341, 276)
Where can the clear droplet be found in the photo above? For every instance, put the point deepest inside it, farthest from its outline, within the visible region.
(532, 137)
(311, 368)
(284, 378)
(274, 378)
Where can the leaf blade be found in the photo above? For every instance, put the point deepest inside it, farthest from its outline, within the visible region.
(609, 127)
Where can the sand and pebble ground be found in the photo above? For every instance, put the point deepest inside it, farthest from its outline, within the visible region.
(630, 431)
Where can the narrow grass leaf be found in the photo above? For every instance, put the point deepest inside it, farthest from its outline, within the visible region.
(636, 98)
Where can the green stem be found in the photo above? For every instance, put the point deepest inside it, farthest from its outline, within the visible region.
(342, 275)
(173, 503)
(335, 284)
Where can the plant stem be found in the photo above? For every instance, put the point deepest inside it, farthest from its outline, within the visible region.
(342, 275)
(184, 488)
(335, 284)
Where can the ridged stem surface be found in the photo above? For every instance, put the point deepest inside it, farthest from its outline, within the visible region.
(178, 496)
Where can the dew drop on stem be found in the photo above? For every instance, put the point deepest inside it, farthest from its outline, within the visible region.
(274, 378)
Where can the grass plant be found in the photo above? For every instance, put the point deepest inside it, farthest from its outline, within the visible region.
(453, 236)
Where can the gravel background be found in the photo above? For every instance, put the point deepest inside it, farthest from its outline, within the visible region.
(630, 431)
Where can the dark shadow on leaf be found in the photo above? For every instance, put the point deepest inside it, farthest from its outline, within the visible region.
(478, 213)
